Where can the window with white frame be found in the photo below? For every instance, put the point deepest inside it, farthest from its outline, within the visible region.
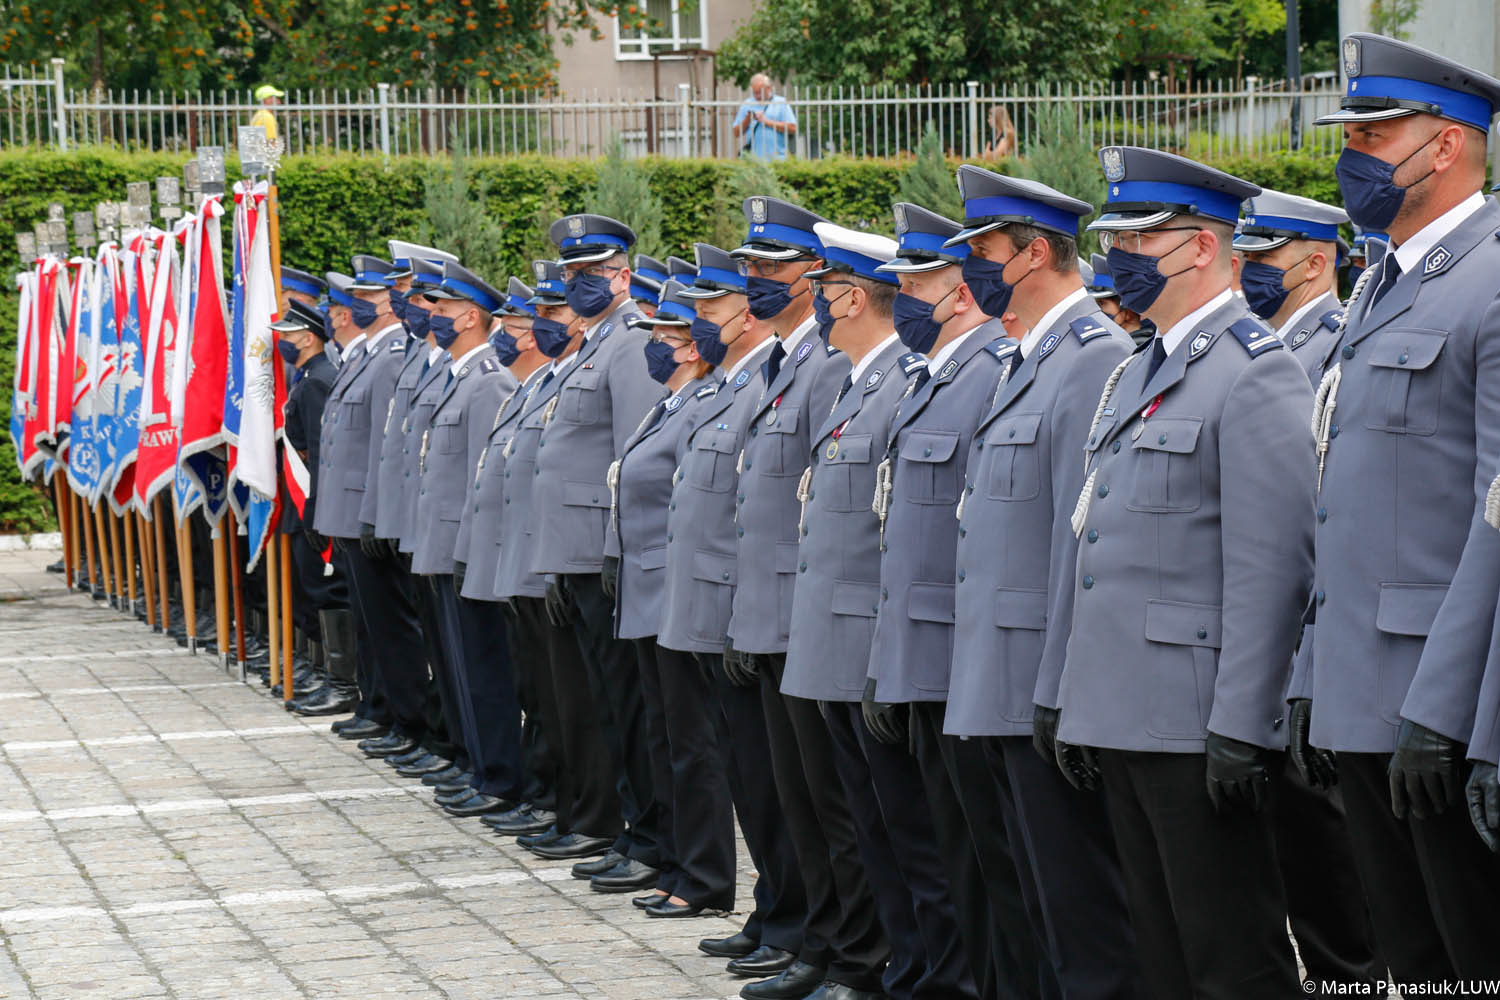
(671, 25)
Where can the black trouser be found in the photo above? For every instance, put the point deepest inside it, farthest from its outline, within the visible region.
(438, 690)
(615, 679)
(659, 755)
(841, 911)
(893, 829)
(587, 802)
(780, 897)
(528, 656)
(475, 631)
(1324, 896)
(382, 608)
(996, 912)
(316, 590)
(1431, 883)
(1061, 838)
(701, 810)
(1205, 895)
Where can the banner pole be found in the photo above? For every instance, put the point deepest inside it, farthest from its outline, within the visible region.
(163, 581)
(186, 583)
(148, 568)
(285, 543)
(239, 598)
(126, 525)
(221, 593)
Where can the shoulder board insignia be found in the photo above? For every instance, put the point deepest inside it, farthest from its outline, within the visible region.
(1001, 348)
(1332, 318)
(1086, 329)
(706, 391)
(911, 362)
(804, 351)
(1254, 337)
(874, 379)
(489, 365)
(1048, 343)
(830, 350)
(1436, 258)
(674, 403)
(742, 378)
(398, 347)
(1200, 344)
(948, 369)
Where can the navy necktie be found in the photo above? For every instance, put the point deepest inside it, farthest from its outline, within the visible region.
(1388, 278)
(551, 374)
(844, 388)
(1158, 355)
(773, 363)
(923, 375)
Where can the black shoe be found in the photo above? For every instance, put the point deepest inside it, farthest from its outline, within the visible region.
(841, 991)
(586, 870)
(429, 763)
(571, 846)
(382, 749)
(458, 784)
(453, 798)
(764, 961)
(390, 739)
(363, 729)
(530, 840)
(627, 876)
(402, 759)
(450, 773)
(735, 946)
(56, 567)
(333, 698)
(667, 908)
(478, 804)
(339, 725)
(649, 900)
(795, 983)
(520, 820)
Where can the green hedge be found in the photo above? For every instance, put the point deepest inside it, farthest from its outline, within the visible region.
(335, 206)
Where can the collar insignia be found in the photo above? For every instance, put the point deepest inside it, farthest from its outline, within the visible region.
(674, 403)
(1435, 259)
(1298, 340)
(1200, 343)
(948, 369)
(1049, 343)
(874, 378)
(804, 350)
(742, 378)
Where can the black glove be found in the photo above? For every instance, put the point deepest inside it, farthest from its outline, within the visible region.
(1426, 771)
(609, 576)
(888, 723)
(460, 570)
(1080, 765)
(557, 602)
(1483, 791)
(1319, 768)
(316, 541)
(1044, 722)
(368, 543)
(740, 669)
(1239, 774)
(391, 548)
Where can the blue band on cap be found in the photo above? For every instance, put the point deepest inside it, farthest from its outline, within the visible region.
(298, 285)
(1471, 109)
(516, 302)
(402, 263)
(340, 298)
(1297, 227)
(551, 287)
(1213, 204)
(859, 264)
(670, 308)
(653, 275)
(596, 239)
(371, 278)
(1103, 281)
(721, 277)
(1063, 221)
(931, 244)
(474, 294)
(420, 280)
(639, 291)
(762, 231)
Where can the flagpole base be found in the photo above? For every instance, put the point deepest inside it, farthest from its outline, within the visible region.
(244, 671)
(192, 646)
(156, 629)
(224, 662)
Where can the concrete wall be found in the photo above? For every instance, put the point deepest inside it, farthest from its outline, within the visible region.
(1466, 31)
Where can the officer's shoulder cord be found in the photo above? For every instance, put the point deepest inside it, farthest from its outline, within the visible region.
(1081, 508)
(1326, 398)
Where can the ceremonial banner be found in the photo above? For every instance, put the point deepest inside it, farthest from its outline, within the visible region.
(109, 315)
(45, 348)
(199, 393)
(84, 460)
(22, 388)
(132, 375)
(157, 453)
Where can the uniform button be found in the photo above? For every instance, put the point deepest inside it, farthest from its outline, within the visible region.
(1322, 597)
(1115, 447)
(1093, 536)
(1088, 583)
(1333, 431)
(669, 534)
(1012, 432)
(1403, 358)
(507, 501)
(752, 430)
(672, 505)
(747, 465)
(740, 497)
(968, 487)
(802, 567)
(1162, 439)
(596, 498)
(960, 576)
(726, 574)
(1348, 351)
(926, 452)
(1202, 632)
(507, 475)
(1103, 490)
(962, 531)
(883, 594)
(741, 532)
(811, 495)
(1322, 514)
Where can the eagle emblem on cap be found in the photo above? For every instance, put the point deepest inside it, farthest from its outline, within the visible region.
(757, 210)
(539, 268)
(1351, 57)
(575, 225)
(900, 218)
(1113, 161)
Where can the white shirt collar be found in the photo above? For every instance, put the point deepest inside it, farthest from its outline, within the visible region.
(796, 337)
(349, 349)
(756, 354)
(562, 363)
(869, 359)
(433, 353)
(372, 343)
(1411, 253)
(1296, 318)
(1049, 320)
(948, 350)
(458, 362)
(1185, 326)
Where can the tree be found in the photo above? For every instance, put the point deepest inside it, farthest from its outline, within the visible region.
(456, 220)
(745, 178)
(1062, 157)
(624, 192)
(1390, 17)
(929, 181)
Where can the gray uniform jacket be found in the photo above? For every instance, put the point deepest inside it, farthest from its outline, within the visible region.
(766, 506)
(838, 559)
(514, 576)
(640, 509)
(1314, 337)
(1196, 546)
(1485, 743)
(701, 532)
(418, 419)
(1016, 547)
(604, 394)
(1408, 573)
(478, 542)
(928, 452)
(449, 454)
(391, 471)
(346, 439)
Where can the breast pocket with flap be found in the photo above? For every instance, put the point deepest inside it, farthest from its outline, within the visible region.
(1406, 386)
(1167, 477)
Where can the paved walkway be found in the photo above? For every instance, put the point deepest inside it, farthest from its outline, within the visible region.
(169, 832)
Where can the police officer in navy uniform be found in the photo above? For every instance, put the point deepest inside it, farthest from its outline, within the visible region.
(1188, 597)
(1405, 601)
(471, 639)
(701, 574)
(697, 866)
(1016, 550)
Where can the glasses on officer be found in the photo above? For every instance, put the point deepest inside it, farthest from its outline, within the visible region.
(763, 268)
(1129, 240)
(673, 339)
(598, 270)
(818, 284)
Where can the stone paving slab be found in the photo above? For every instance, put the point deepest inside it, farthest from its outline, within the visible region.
(170, 832)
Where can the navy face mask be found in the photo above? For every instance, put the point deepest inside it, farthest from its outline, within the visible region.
(588, 294)
(914, 323)
(1371, 197)
(768, 298)
(551, 336)
(706, 338)
(822, 315)
(1137, 278)
(288, 351)
(363, 313)
(398, 303)
(505, 347)
(417, 320)
(443, 331)
(1262, 285)
(986, 281)
(660, 362)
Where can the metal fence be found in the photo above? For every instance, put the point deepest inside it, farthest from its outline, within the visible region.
(1210, 118)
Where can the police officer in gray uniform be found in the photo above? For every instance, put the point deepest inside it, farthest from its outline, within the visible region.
(1290, 274)
(603, 395)
(838, 592)
(1407, 411)
(1016, 550)
(697, 850)
(471, 640)
(1188, 598)
(646, 279)
(700, 580)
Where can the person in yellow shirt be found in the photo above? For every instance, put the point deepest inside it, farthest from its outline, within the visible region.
(269, 96)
